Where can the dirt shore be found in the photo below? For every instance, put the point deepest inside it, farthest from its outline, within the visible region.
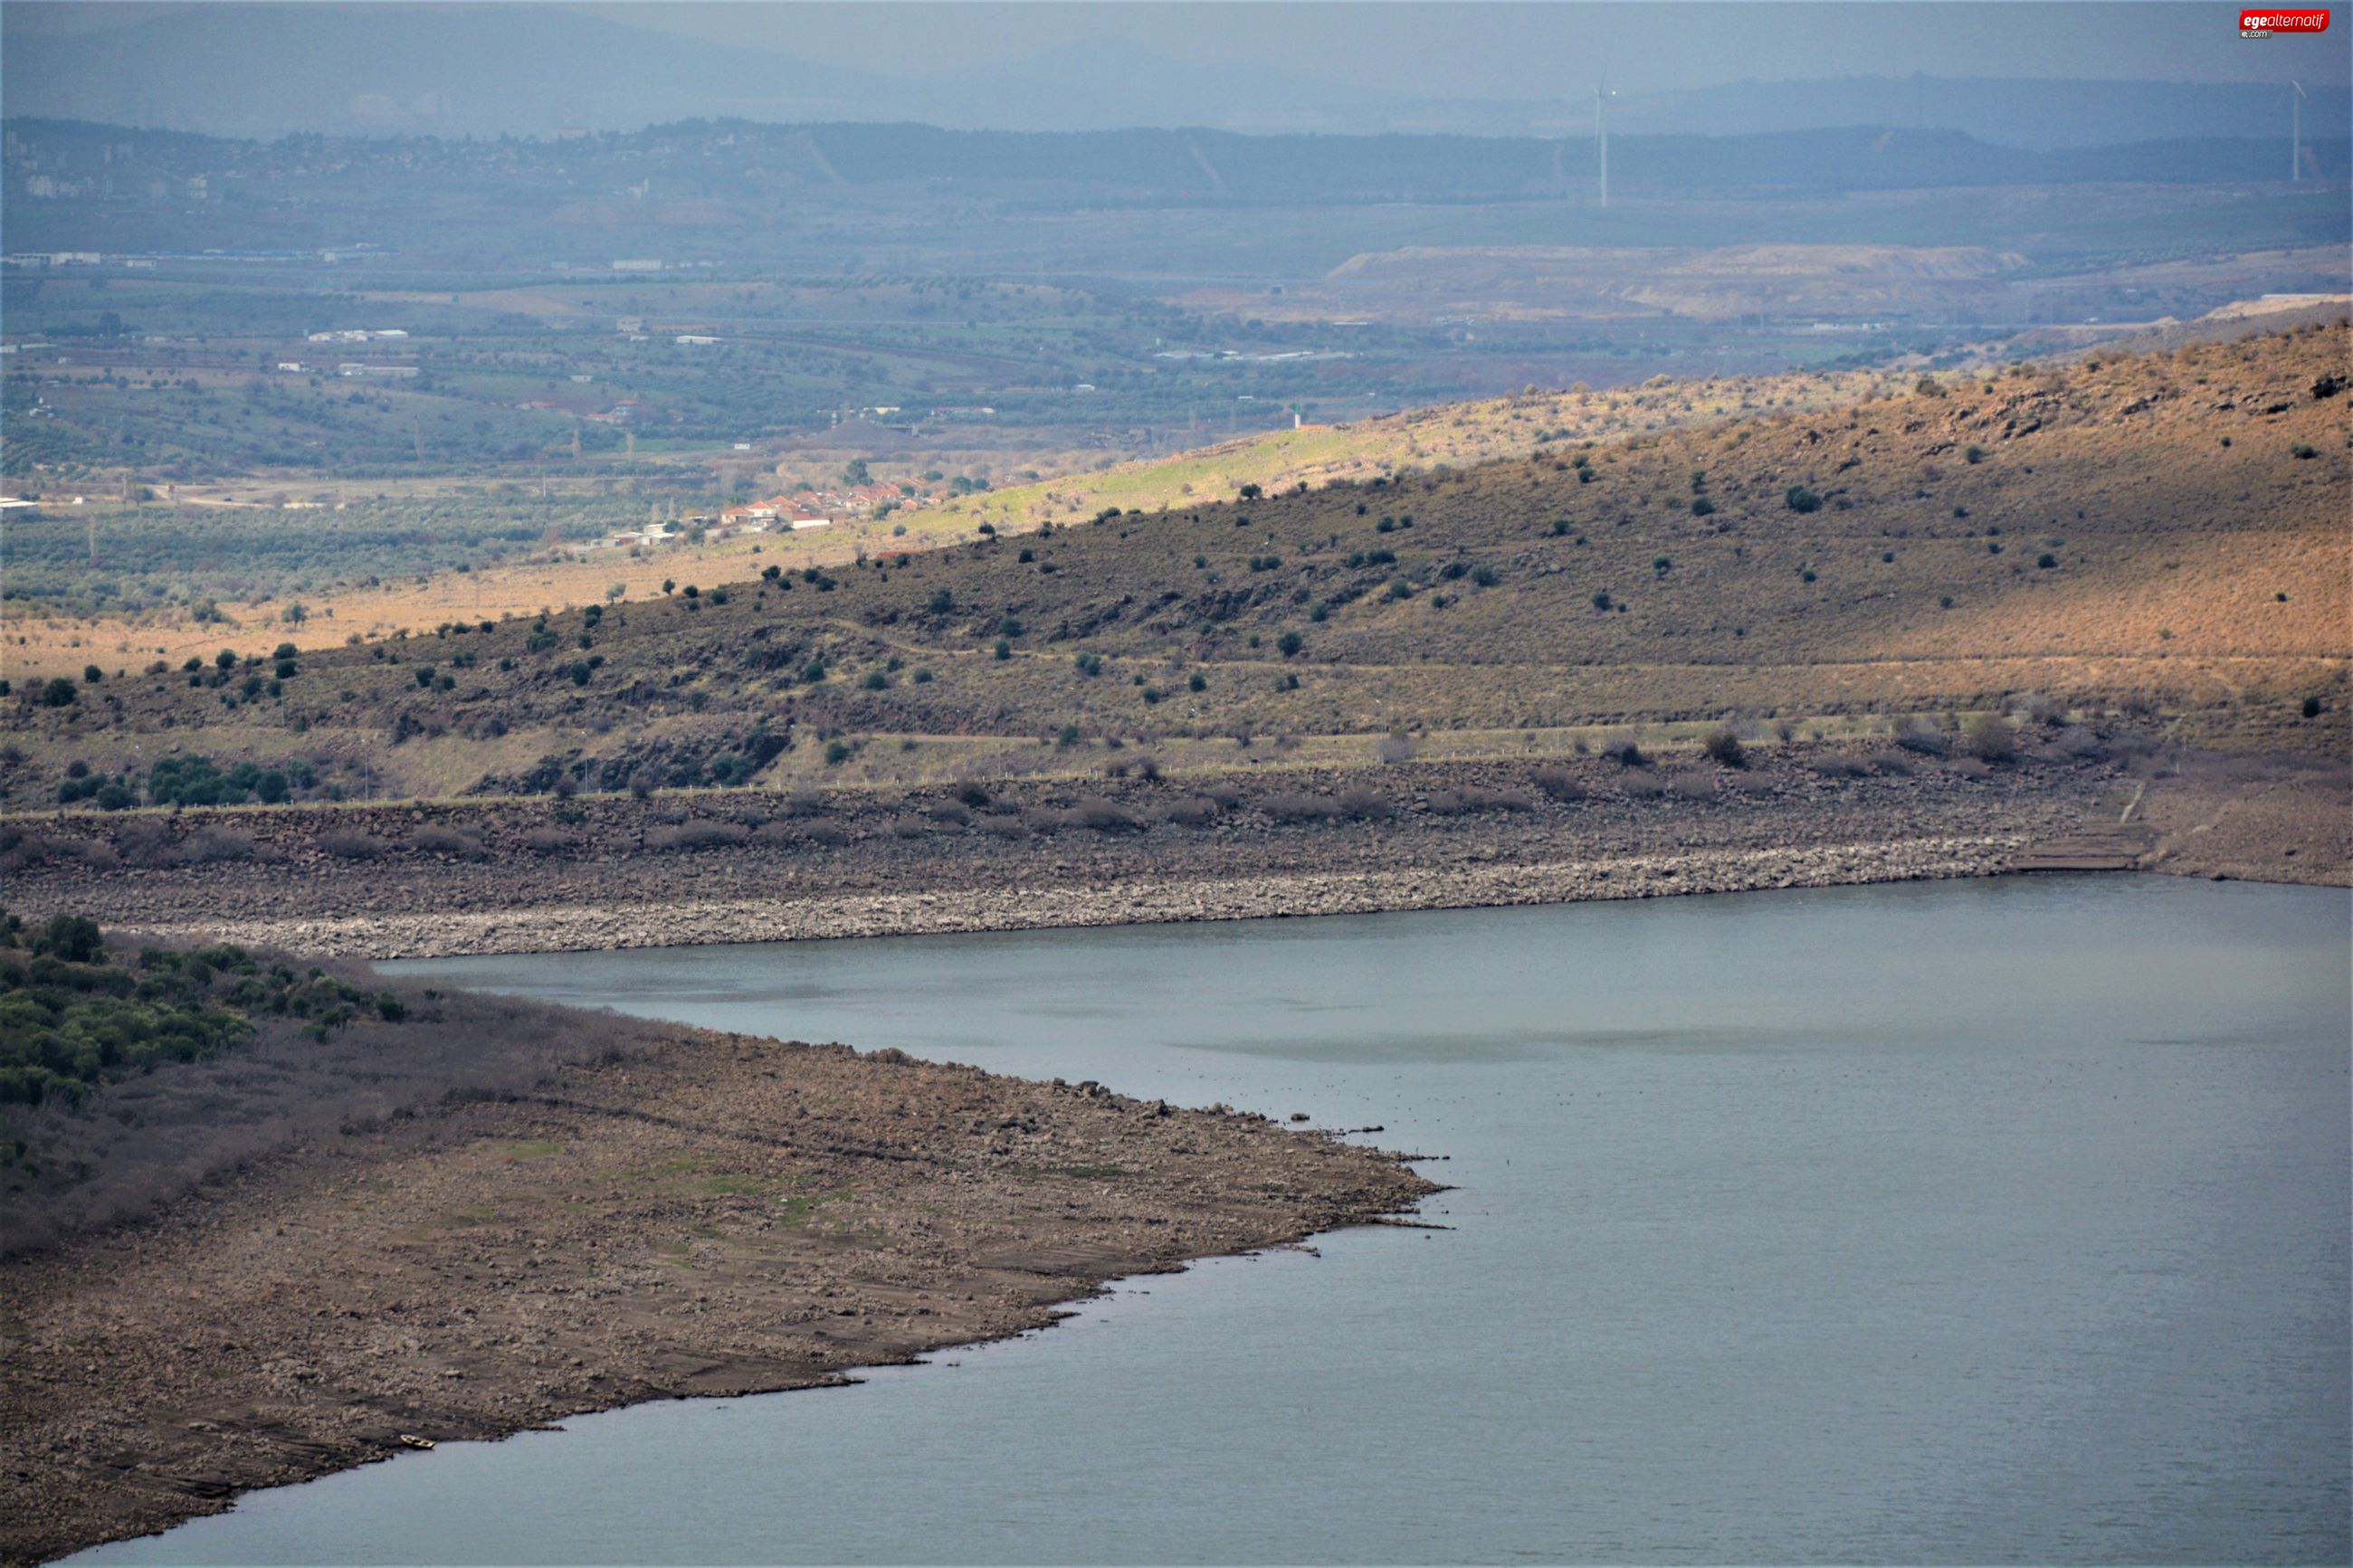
(709, 1215)
(530, 876)
(522, 876)
(703, 1213)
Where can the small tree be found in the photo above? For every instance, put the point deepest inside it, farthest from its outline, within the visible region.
(74, 938)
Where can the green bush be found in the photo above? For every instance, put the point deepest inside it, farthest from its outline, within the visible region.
(70, 1020)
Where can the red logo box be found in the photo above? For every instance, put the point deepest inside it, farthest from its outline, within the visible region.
(2264, 24)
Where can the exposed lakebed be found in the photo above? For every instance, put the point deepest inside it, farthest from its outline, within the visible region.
(1993, 1221)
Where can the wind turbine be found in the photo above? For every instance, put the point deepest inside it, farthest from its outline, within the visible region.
(1601, 94)
(2295, 132)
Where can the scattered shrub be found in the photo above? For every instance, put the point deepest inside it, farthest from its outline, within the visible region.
(2073, 745)
(434, 838)
(213, 845)
(1989, 740)
(2040, 709)
(1720, 745)
(697, 833)
(1099, 815)
(348, 844)
(1916, 735)
(1559, 783)
(1471, 798)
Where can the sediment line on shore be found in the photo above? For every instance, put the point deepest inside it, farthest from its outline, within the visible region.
(570, 928)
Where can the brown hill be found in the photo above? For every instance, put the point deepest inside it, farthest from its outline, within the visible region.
(2165, 532)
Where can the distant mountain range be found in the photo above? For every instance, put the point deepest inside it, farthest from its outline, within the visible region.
(250, 70)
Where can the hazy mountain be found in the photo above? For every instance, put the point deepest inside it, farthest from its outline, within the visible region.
(257, 70)
(2014, 111)
(264, 70)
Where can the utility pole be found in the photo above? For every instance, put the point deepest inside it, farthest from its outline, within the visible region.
(1601, 140)
(2295, 132)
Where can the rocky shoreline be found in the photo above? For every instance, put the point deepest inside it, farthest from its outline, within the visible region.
(525, 875)
(569, 928)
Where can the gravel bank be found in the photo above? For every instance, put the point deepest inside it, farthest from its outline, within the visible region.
(588, 927)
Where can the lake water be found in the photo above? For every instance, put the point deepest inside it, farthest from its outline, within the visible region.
(1996, 1221)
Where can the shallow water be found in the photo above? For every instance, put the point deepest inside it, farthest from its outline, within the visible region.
(1976, 1221)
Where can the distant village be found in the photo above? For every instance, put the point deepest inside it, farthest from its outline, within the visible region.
(795, 513)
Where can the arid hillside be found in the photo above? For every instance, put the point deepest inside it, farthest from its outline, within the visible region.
(46, 638)
(2162, 534)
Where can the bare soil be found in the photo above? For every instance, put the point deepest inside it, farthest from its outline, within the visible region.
(705, 1214)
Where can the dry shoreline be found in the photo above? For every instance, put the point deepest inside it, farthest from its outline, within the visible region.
(709, 1215)
(535, 875)
(575, 928)
(700, 1214)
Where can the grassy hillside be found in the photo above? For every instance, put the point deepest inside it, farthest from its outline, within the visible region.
(2165, 532)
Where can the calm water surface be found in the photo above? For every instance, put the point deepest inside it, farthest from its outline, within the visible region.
(1985, 1222)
